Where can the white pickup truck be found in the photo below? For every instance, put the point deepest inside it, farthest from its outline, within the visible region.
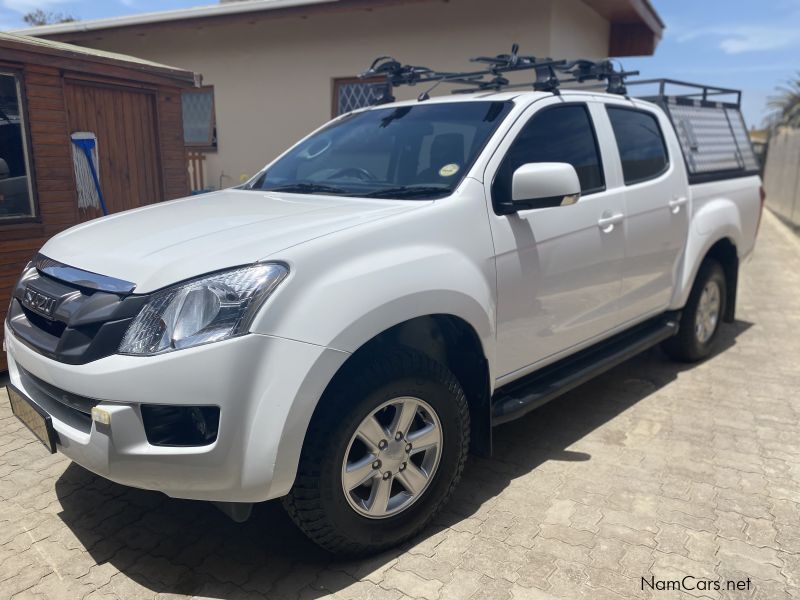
(343, 328)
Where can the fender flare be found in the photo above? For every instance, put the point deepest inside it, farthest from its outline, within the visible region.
(717, 220)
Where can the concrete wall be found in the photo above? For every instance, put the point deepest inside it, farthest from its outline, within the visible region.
(273, 78)
(782, 174)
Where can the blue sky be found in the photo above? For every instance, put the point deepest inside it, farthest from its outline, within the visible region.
(753, 45)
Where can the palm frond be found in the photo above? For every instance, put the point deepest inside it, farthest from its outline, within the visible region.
(785, 104)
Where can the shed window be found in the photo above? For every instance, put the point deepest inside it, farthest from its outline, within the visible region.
(16, 198)
(199, 119)
(352, 93)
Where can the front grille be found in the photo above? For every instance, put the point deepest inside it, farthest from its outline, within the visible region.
(54, 328)
(73, 409)
(82, 322)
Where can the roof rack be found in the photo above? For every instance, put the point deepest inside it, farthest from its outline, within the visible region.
(549, 74)
(692, 93)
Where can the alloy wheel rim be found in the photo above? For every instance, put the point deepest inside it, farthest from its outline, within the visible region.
(708, 310)
(392, 457)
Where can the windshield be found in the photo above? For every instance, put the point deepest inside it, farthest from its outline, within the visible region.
(415, 152)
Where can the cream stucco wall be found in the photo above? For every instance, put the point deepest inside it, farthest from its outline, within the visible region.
(273, 77)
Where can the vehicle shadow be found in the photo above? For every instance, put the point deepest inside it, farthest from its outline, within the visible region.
(186, 547)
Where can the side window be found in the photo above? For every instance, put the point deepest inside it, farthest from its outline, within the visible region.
(640, 142)
(558, 134)
(16, 198)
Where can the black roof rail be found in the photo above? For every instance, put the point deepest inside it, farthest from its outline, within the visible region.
(549, 74)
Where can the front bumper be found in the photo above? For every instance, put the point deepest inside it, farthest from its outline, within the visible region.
(266, 388)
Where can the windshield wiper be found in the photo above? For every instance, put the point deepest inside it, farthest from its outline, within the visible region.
(409, 191)
(307, 188)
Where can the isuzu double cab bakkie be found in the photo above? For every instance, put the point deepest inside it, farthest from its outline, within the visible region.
(341, 330)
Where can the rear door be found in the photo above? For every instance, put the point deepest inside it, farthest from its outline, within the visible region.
(656, 207)
(559, 270)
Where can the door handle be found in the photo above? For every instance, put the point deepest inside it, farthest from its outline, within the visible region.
(607, 223)
(676, 203)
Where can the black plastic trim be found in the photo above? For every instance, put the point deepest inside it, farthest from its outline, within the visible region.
(84, 324)
(72, 409)
(173, 426)
(81, 404)
(238, 512)
(538, 203)
(720, 176)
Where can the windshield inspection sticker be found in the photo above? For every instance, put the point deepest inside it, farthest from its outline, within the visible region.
(449, 170)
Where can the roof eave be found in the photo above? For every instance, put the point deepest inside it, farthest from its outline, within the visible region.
(636, 27)
(184, 14)
(66, 52)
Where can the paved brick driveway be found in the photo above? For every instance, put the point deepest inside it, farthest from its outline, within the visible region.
(654, 470)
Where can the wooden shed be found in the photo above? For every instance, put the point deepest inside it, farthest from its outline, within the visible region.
(52, 94)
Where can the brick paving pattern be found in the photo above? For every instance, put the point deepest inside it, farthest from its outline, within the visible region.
(653, 470)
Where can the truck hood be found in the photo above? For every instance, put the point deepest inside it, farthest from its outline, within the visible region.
(168, 242)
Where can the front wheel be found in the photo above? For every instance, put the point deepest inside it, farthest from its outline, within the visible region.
(702, 315)
(382, 455)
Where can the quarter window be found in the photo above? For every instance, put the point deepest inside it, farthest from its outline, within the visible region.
(640, 142)
(16, 198)
(559, 134)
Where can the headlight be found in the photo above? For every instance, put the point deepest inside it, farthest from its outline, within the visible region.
(201, 311)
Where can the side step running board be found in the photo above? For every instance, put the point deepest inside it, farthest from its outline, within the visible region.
(520, 397)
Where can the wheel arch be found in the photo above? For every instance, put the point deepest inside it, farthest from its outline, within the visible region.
(449, 340)
(724, 250)
(718, 229)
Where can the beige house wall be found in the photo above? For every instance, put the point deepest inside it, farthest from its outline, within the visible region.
(273, 78)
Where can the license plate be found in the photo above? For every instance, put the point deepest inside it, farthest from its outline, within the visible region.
(33, 417)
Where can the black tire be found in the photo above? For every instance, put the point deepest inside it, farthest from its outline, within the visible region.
(317, 502)
(686, 346)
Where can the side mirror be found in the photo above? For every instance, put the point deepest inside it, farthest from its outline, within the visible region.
(544, 185)
(4, 170)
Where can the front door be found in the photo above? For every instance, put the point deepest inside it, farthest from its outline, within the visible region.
(559, 270)
(124, 122)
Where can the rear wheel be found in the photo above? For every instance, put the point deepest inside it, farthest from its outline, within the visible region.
(702, 315)
(382, 455)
